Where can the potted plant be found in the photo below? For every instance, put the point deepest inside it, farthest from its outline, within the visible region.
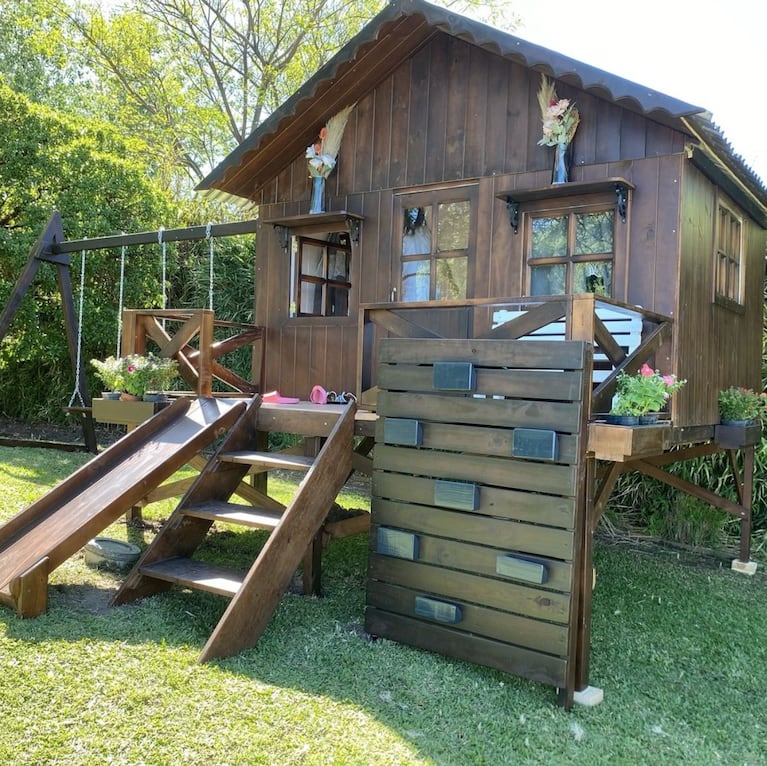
(136, 375)
(147, 374)
(740, 406)
(110, 372)
(639, 398)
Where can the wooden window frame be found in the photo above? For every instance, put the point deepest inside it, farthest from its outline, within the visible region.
(325, 282)
(406, 199)
(552, 208)
(724, 295)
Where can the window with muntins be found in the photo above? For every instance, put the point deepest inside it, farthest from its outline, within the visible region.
(320, 275)
(437, 244)
(571, 251)
(729, 246)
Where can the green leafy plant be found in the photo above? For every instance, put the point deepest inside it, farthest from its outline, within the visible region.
(738, 403)
(136, 374)
(110, 372)
(647, 391)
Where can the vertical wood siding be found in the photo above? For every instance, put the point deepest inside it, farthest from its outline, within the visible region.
(454, 112)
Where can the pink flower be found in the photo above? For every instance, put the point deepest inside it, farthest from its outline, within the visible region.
(669, 380)
(646, 371)
(131, 368)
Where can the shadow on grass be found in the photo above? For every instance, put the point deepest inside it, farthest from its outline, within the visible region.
(676, 640)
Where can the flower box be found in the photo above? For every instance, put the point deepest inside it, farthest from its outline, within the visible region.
(736, 435)
(125, 413)
(623, 443)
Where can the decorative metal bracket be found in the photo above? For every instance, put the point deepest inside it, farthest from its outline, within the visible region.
(512, 208)
(622, 200)
(354, 229)
(283, 235)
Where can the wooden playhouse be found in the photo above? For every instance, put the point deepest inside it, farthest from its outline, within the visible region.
(481, 314)
(441, 246)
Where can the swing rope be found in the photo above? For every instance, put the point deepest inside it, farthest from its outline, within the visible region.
(208, 230)
(123, 253)
(163, 245)
(78, 363)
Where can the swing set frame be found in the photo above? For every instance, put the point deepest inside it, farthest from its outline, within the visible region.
(52, 248)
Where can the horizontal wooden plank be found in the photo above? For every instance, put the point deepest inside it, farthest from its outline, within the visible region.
(506, 596)
(500, 472)
(550, 510)
(197, 575)
(525, 413)
(557, 385)
(536, 666)
(546, 355)
(270, 460)
(473, 528)
(511, 628)
(233, 513)
(482, 440)
(476, 559)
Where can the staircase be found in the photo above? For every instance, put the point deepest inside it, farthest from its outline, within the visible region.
(294, 536)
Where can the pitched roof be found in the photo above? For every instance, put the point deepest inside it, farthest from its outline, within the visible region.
(399, 30)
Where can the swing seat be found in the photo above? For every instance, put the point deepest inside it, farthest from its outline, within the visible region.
(82, 410)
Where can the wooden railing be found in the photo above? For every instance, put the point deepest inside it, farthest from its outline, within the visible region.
(624, 336)
(189, 336)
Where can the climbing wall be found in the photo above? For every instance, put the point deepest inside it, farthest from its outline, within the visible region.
(478, 513)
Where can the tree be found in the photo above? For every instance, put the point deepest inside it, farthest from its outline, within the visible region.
(198, 76)
(49, 162)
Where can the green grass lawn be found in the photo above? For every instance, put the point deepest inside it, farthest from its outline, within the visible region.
(678, 645)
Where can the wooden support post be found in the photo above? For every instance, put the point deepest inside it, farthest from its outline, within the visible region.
(746, 498)
(205, 369)
(312, 567)
(30, 590)
(312, 572)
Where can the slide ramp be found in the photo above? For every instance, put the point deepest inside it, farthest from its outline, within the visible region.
(38, 539)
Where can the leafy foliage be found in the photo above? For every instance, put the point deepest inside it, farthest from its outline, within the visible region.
(83, 173)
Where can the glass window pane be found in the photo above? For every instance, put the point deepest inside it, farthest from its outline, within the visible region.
(312, 260)
(338, 265)
(416, 231)
(548, 280)
(594, 233)
(454, 219)
(451, 278)
(311, 298)
(416, 276)
(549, 238)
(338, 301)
(593, 278)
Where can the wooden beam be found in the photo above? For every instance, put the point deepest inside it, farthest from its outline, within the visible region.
(531, 320)
(677, 482)
(186, 234)
(606, 484)
(399, 326)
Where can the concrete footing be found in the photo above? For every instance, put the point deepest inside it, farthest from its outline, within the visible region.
(744, 567)
(589, 696)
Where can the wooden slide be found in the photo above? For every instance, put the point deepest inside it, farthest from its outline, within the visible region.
(51, 530)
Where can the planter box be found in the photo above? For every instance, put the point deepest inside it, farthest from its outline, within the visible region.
(736, 436)
(623, 443)
(125, 413)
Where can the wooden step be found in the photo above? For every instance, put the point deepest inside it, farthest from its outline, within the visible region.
(197, 575)
(234, 513)
(269, 460)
